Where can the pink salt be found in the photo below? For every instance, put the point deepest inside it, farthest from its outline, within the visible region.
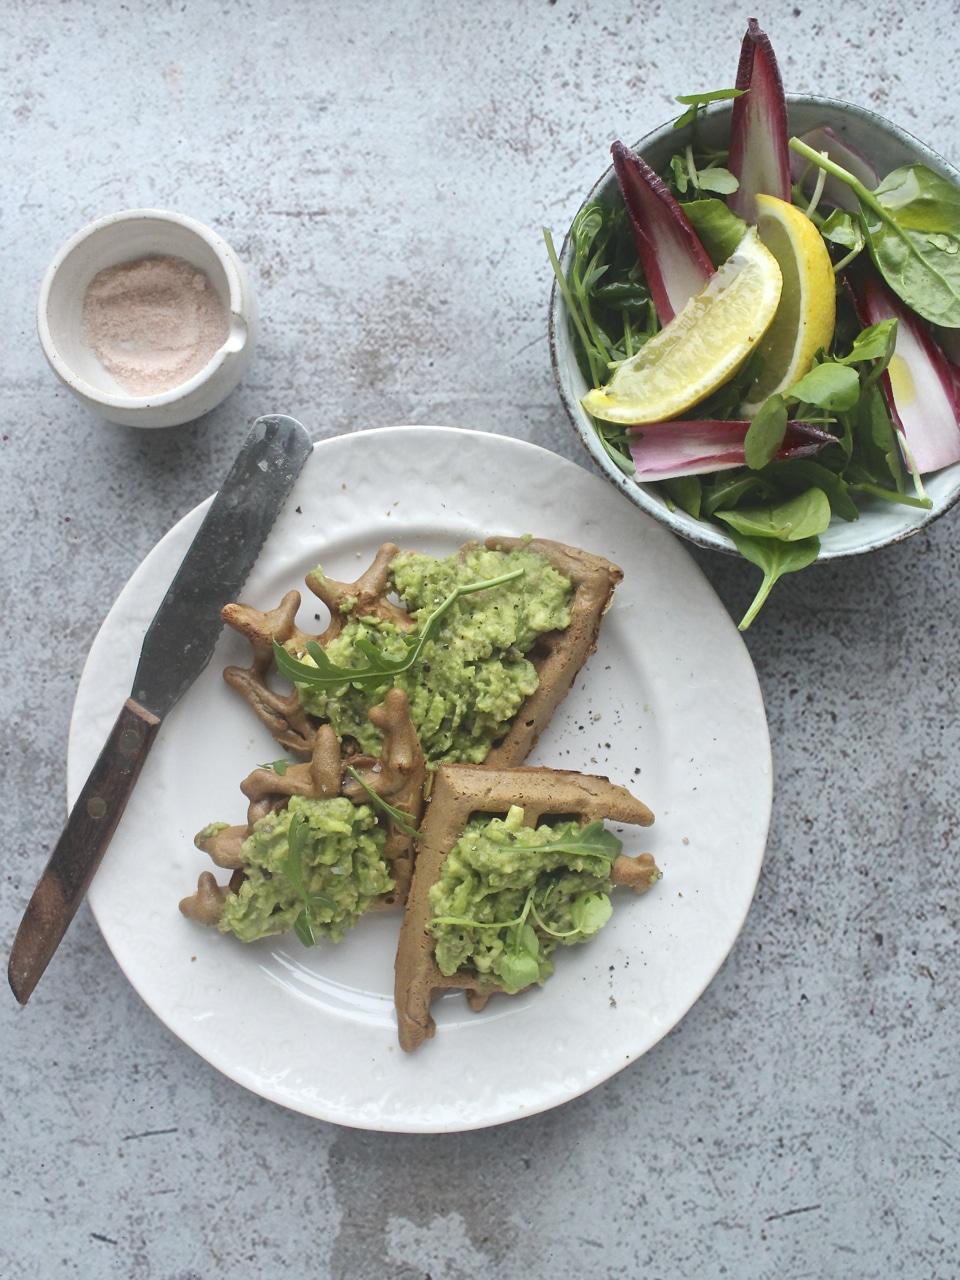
(153, 323)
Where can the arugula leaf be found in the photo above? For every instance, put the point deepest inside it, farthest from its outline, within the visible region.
(293, 869)
(593, 839)
(325, 674)
(398, 816)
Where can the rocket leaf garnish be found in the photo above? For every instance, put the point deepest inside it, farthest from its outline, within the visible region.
(323, 674)
(397, 815)
(296, 874)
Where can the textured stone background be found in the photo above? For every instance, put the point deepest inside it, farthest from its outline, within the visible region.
(385, 170)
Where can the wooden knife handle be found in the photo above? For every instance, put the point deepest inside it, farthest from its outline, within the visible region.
(80, 849)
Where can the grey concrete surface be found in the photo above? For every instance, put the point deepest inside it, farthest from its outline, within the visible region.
(385, 170)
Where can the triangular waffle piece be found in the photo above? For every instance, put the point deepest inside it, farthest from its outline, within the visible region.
(557, 656)
(458, 793)
(397, 775)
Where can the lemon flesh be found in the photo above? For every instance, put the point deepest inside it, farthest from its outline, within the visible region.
(702, 346)
(807, 313)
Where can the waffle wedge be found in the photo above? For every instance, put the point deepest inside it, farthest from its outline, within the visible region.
(556, 656)
(458, 793)
(396, 776)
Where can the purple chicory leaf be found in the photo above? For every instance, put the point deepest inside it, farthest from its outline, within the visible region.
(682, 447)
(759, 151)
(920, 383)
(673, 259)
(834, 192)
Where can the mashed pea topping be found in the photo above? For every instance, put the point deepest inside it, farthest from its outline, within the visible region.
(508, 895)
(470, 679)
(314, 866)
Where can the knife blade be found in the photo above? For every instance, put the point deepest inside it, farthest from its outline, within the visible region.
(177, 647)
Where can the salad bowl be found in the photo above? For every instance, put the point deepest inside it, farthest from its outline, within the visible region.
(881, 522)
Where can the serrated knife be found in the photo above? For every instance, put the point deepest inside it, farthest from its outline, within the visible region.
(177, 647)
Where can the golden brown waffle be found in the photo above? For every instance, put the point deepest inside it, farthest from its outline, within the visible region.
(397, 775)
(458, 792)
(558, 656)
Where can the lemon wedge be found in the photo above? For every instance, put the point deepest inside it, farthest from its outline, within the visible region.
(807, 312)
(701, 347)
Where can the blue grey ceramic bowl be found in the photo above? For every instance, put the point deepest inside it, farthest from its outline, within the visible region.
(880, 523)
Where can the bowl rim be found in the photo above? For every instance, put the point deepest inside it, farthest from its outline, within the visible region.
(240, 304)
(700, 533)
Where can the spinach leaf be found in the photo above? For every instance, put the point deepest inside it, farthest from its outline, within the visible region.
(829, 385)
(799, 474)
(765, 434)
(685, 492)
(719, 229)
(730, 488)
(911, 225)
(799, 519)
(775, 558)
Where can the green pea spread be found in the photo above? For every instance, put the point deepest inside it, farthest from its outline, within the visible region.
(508, 896)
(315, 866)
(471, 678)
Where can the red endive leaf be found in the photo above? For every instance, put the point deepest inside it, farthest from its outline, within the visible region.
(682, 447)
(920, 383)
(674, 261)
(759, 142)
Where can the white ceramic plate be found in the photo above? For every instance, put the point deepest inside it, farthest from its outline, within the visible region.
(668, 705)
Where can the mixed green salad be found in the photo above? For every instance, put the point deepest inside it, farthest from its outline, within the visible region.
(877, 408)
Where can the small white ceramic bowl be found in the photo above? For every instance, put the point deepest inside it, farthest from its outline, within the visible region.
(127, 237)
(880, 523)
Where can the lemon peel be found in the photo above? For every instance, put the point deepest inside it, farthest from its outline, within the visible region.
(807, 313)
(702, 346)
